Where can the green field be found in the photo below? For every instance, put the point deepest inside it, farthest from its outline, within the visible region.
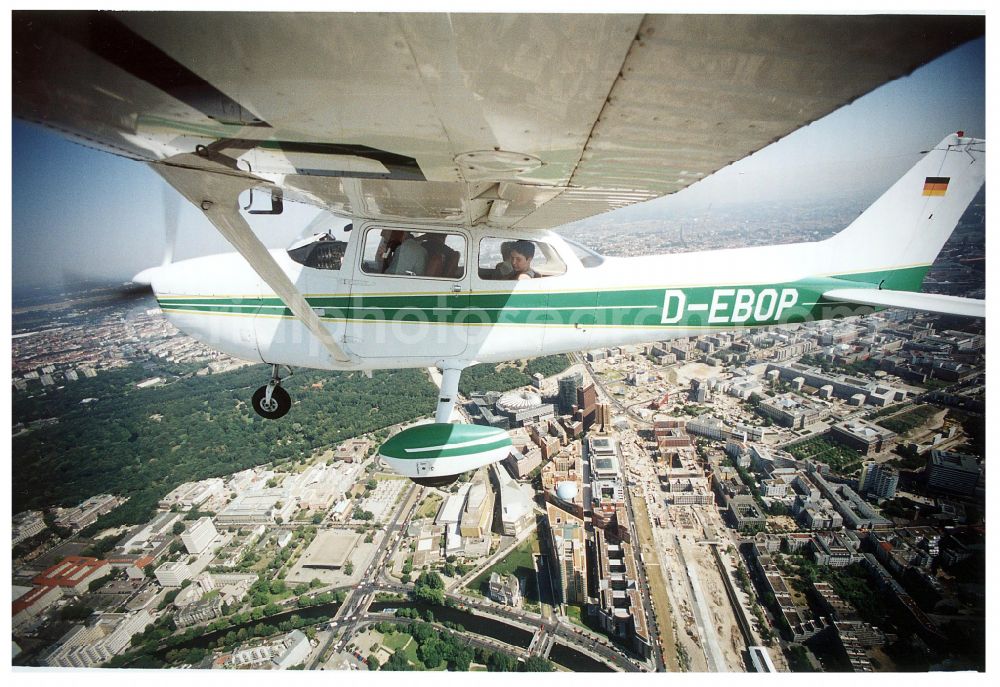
(840, 458)
(908, 420)
(429, 506)
(575, 614)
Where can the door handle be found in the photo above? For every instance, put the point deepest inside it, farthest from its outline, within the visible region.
(456, 288)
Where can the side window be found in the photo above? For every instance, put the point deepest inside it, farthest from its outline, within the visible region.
(402, 253)
(510, 259)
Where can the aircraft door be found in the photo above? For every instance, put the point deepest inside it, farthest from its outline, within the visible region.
(316, 266)
(410, 294)
(516, 284)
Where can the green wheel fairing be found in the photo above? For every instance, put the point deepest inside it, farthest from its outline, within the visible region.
(428, 452)
(433, 441)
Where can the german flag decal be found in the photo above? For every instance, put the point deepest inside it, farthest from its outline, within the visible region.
(936, 186)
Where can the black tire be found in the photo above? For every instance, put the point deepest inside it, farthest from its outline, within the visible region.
(281, 403)
(442, 481)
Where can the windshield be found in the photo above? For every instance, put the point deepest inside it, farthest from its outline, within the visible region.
(322, 243)
(321, 252)
(587, 256)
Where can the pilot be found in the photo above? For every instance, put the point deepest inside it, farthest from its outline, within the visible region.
(391, 240)
(410, 258)
(521, 254)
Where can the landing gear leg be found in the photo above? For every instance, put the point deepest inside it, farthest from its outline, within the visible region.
(272, 401)
(449, 392)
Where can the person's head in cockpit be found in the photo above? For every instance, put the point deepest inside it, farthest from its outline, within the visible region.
(521, 254)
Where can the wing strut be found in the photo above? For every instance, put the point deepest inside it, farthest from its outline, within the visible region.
(214, 187)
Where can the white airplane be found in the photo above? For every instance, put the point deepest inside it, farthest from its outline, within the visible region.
(454, 144)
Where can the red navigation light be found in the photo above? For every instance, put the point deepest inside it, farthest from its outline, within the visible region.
(961, 133)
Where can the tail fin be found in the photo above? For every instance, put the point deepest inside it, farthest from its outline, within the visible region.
(894, 242)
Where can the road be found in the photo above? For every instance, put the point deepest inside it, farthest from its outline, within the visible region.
(358, 599)
(353, 615)
(610, 396)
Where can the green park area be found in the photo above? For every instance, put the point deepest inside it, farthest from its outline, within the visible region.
(519, 562)
(429, 506)
(841, 459)
(141, 443)
(506, 376)
(422, 646)
(908, 420)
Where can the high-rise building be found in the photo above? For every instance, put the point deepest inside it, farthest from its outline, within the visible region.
(957, 473)
(568, 386)
(88, 646)
(172, 574)
(477, 517)
(568, 543)
(878, 480)
(603, 419)
(586, 403)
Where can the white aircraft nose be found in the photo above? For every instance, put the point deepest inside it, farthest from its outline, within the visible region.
(146, 276)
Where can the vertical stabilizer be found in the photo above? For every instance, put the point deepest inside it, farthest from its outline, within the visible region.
(900, 235)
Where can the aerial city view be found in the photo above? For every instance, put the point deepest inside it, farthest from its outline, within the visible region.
(800, 498)
(519, 381)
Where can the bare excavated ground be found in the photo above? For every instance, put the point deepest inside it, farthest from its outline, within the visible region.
(657, 584)
(686, 528)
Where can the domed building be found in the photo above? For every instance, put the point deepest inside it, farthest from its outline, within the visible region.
(516, 401)
(566, 491)
(523, 406)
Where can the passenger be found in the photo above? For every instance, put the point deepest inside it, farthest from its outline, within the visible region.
(410, 258)
(521, 254)
(441, 258)
(434, 243)
(503, 269)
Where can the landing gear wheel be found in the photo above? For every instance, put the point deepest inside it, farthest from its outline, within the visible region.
(279, 404)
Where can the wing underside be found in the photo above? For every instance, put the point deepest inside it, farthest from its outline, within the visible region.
(910, 300)
(518, 120)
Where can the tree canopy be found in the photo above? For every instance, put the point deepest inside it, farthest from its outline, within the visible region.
(141, 443)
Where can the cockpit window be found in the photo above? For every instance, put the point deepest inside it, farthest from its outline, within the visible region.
(512, 259)
(321, 252)
(402, 253)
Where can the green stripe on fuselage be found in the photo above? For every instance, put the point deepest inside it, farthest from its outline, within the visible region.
(703, 306)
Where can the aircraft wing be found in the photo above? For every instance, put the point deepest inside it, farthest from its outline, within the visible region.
(910, 300)
(530, 121)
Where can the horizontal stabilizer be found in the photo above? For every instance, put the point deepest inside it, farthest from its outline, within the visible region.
(911, 300)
